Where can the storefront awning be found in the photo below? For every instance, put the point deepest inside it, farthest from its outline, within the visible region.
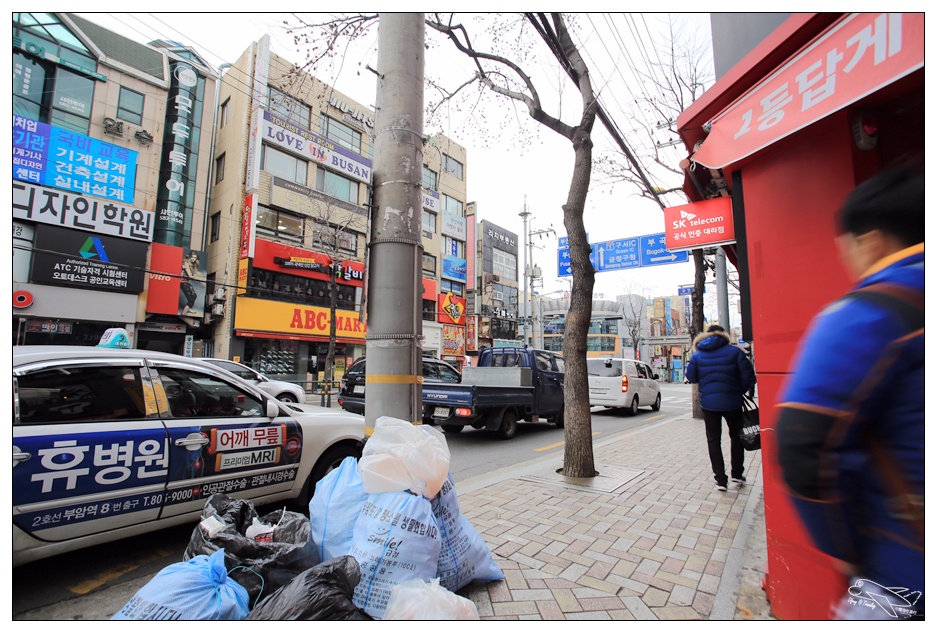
(274, 335)
(857, 56)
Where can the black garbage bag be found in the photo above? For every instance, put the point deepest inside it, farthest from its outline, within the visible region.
(322, 593)
(262, 567)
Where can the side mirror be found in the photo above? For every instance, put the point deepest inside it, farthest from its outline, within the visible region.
(272, 410)
(656, 376)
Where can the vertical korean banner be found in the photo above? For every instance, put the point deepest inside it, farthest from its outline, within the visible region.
(178, 167)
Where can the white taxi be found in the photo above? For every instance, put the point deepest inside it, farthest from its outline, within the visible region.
(110, 443)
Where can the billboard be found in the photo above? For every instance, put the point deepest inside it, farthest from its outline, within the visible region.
(177, 282)
(48, 155)
(91, 262)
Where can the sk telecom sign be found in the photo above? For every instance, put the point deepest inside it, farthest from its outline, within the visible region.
(706, 223)
(858, 56)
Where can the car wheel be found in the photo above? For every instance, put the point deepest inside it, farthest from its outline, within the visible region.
(453, 429)
(329, 461)
(632, 409)
(288, 397)
(508, 427)
(656, 404)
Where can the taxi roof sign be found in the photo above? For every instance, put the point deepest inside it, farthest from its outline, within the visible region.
(115, 338)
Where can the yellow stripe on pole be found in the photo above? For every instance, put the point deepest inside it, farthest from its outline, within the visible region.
(393, 379)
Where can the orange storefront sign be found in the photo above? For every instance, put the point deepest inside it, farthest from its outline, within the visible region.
(273, 316)
(857, 57)
(706, 223)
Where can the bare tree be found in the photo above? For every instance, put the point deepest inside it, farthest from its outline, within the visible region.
(336, 231)
(677, 76)
(634, 301)
(504, 67)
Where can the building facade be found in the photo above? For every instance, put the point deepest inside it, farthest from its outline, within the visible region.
(289, 209)
(498, 286)
(106, 172)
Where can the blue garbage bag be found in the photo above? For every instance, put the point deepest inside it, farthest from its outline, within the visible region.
(395, 539)
(464, 555)
(334, 509)
(196, 590)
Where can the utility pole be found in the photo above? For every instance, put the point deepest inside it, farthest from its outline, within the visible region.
(525, 214)
(394, 317)
(721, 286)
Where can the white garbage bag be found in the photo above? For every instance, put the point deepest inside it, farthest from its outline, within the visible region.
(400, 456)
(416, 600)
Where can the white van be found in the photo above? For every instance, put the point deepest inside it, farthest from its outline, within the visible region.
(622, 383)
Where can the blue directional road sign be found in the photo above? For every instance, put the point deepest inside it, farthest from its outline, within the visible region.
(653, 251)
(622, 254)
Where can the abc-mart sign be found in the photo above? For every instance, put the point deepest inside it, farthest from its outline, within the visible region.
(706, 223)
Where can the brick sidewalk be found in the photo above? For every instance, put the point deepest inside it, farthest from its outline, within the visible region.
(649, 538)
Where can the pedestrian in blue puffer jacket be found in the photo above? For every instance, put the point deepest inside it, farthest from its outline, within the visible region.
(723, 374)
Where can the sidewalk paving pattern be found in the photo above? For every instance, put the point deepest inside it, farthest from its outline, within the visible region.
(648, 539)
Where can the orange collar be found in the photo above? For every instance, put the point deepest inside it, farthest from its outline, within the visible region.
(893, 258)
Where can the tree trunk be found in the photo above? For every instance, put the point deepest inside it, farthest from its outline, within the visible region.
(579, 458)
(332, 328)
(698, 319)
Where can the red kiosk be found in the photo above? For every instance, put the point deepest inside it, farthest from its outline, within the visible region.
(823, 103)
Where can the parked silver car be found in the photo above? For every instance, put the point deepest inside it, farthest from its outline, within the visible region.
(112, 443)
(283, 391)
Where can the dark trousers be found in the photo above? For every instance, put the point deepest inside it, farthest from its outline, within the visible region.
(713, 435)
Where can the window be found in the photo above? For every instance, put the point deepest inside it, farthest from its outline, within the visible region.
(429, 310)
(342, 134)
(456, 288)
(452, 166)
(225, 113)
(194, 394)
(219, 169)
(336, 185)
(215, 227)
(454, 247)
(452, 205)
(282, 164)
(74, 393)
(447, 373)
(505, 264)
(430, 179)
(429, 264)
(290, 109)
(334, 238)
(428, 224)
(71, 101)
(279, 223)
(130, 106)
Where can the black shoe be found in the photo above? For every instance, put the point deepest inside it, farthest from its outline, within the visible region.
(740, 480)
(721, 488)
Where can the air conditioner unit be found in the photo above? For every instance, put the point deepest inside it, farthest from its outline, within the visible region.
(218, 309)
(206, 319)
(219, 295)
(495, 278)
(497, 296)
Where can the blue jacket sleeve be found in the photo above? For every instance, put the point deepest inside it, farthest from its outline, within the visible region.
(692, 371)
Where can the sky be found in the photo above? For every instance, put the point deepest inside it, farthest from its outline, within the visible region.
(506, 169)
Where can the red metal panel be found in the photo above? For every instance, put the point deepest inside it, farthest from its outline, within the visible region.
(802, 583)
(791, 195)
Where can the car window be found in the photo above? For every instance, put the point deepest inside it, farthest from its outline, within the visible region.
(641, 370)
(357, 368)
(239, 370)
(430, 370)
(194, 394)
(560, 363)
(81, 393)
(448, 374)
(543, 361)
(604, 368)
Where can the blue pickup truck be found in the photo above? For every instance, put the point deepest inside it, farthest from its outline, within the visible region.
(510, 384)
